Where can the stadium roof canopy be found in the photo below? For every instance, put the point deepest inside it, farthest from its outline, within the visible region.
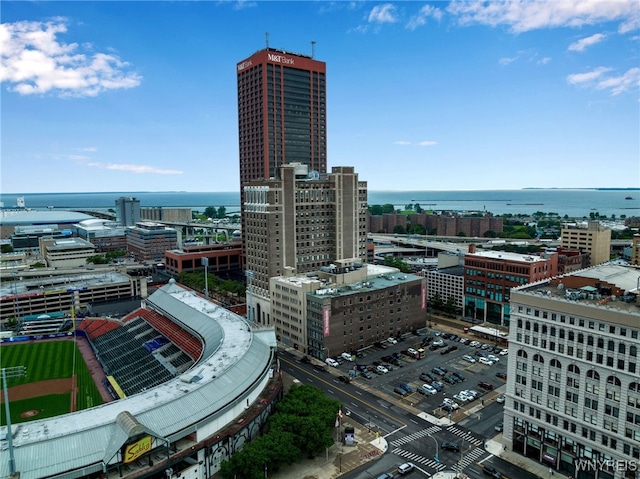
(235, 358)
(35, 217)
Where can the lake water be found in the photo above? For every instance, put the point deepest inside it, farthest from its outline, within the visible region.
(572, 202)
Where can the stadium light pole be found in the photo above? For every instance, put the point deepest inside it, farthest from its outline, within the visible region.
(11, 373)
(205, 263)
(249, 275)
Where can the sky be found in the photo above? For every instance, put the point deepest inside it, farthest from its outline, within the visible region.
(460, 95)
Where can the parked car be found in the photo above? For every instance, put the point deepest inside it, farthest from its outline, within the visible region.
(451, 403)
(392, 340)
(501, 375)
(499, 427)
(381, 345)
(493, 357)
(469, 359)
(446, 350)
(447, 407)
(347, 356)
(485, 385)
(438, 342)
(473, 393)
(462, 397)
(464, 341)
(381, 370)
(406, 387)
(458, 375)
(320, 368)
(501, 399)
(405, 468)
(486, 361)
(437, 385)
(450, 379)
(484, 346)
(332, 362)
(504, 352)
(440, 371)
(426, 377)
(401, 391)
(367, 374)
(305, 359)
(388, 366)
(474, 344)
(450, 446)
(427, 389)
(338, 360)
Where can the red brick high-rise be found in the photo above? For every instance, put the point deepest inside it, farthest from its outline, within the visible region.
(282, 113)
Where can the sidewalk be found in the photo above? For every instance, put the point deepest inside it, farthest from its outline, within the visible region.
(500, 448)
(339, 458)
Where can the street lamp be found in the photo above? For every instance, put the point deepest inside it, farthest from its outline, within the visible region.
(436, 442)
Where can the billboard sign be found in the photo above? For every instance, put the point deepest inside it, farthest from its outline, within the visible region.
(135, 450)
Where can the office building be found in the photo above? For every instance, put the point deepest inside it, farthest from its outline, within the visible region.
(490, 275)
(66, 252)
(345, 307)
(148, 241)
(127, 210)
(592, 238)
(573, 395)
(635, 250)
(302, 222)
(282, 114)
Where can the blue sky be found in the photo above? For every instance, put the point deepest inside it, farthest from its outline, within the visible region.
(462, 95)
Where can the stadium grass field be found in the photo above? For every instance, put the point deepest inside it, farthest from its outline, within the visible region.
(48, 360)
(49, 406)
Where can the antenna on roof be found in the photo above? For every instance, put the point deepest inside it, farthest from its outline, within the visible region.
(266, 37)
(313, 48)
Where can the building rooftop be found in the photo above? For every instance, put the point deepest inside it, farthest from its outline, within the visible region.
(608, 286)
(35, 217)
(505, 255)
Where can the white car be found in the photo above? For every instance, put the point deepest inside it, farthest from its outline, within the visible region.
(392, 340)
(500, 399)
(461, 396)
(427, 389)
(438, 342)
(474, 344)
(504, 352)
(486, 361)
(450, 402)
(469, 359)
(405, 468)
(493, 358)
(347, 356)
(381, 370)
(412, 351)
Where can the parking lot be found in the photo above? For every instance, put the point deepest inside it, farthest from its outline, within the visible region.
(403, 379)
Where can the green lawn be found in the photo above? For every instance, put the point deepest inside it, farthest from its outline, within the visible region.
(49, 406)
(50, 360)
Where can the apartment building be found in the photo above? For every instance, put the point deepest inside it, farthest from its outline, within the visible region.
(148, 241)
(573, 395)
(301, 221)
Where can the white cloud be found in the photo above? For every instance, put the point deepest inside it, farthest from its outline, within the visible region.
(401, 142)
(526, 15)
(583, 43)
(544, 60)
(428, 143)
(34, 61)
(599, 80)
(591, 76)
(421, 17)
(135, 168)
(628, 80)
(507, 61)
(383, 14)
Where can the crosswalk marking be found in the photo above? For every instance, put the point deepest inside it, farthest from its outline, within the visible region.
(469, 458)
(467, 436)
(415, 435)
(438, 466)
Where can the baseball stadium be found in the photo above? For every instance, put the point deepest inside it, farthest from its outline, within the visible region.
(172, 389)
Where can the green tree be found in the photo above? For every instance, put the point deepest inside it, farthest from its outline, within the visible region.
(211, 212)
(417, 229)
(399, 230)
(222, 212)
(375, 210)
(408, 207)
(399, 263)
(6, 248)
(388, 208)
(418, 208)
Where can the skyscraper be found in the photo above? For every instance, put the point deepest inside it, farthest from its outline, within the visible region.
(282, 115)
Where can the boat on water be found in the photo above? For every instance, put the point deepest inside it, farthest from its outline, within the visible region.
(629, 198)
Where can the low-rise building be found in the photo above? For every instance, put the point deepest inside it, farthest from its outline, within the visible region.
(591, 238)
(66, 252)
